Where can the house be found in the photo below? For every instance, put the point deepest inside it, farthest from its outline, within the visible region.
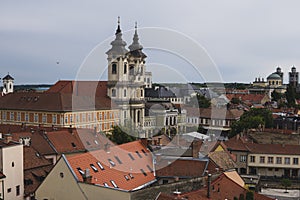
(228, 185)
(11, 168)
(112, 173)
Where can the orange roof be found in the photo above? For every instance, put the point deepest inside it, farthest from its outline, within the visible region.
(221, 188)
(128, 166)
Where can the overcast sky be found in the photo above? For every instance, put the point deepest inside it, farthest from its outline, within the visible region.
(244, 39)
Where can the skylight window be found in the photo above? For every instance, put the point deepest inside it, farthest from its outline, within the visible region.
(80, 171)
(99, 164)
(150, 169)
(138, 153)
(88, 143)
(145, 174)
(73, 144)
(132, 158)
(96, 142)
(114, 184)
(145, 153)
(126, 177)
(94, 168)
(118, 159)
(105, 184)
(111, 162)
(131, 176)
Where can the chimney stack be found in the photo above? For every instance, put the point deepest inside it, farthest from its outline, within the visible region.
(208, 185)
(87, 178)
(107, 147)
(7, 138)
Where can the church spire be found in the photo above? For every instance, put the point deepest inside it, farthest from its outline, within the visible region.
(118, 45)
(118, 29)
(135, 44)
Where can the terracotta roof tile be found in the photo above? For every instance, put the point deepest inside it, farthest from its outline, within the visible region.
(33, 159)
(128, 174)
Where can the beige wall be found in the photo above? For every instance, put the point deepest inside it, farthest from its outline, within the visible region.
(60, 186)
(95, 192)
(12, 167)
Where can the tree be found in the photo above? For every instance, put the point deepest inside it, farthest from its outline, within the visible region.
(286, 183)
(276, 96)
(290, 96)
(199, 101)
(120, 135)
(252, 119)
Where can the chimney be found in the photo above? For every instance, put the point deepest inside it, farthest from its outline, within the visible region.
(70, 129)
(144, 142)
(208, 185)
(87, 178)
(7, 138)
(196, 145)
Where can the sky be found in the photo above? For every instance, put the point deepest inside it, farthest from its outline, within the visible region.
(232, 41)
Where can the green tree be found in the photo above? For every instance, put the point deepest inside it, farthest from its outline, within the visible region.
(290, 96)
(199, 101)
(120, 135)
(235, 100)
(252, 119)
(286, 183)
(276, 96)
(249, 195)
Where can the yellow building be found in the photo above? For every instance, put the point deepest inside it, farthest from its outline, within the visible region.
(79, 104)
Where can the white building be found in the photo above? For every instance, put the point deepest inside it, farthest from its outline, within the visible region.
(8, 84)
(11, 165)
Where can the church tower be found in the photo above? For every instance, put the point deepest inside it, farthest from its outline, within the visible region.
(8, 84)
(293, 77)
(126, 84)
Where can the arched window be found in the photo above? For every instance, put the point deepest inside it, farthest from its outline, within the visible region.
(113, 93)
(114, 68)
(131, 70)
(125, 92)
(125, 68)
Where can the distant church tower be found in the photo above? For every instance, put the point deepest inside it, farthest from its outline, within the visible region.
(8, 84)
(280, 73)
(126, 71)
(293, 77)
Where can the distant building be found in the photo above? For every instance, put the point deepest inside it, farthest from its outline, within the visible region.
(293, 77)
(8, 84)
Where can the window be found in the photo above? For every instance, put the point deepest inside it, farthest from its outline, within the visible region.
(18, 116)
(150, 169)
(278, 160)
(118, 159)
(80, 171)
(295, 161)
(144, 152)
(126, 177)
(17, 190)
(252, 159)
(287, 160)
(131, 70)
(114, 184)
(145, 174)
(113, 92)
(99, 164)
(66, 119)
(114, 68)
(125, 68)
(93, 168)
(243, 158)
(71, 118)
(54, 119)
(12, 116)
(131, 176)
(4, 115)
(8, 190)
(111, 162)
(125, 92)
(105, 184)
(13, 164)
(270, 160)
(44, 118)
(142, 93)
(138, 153)
(132, 158)
(261, 159)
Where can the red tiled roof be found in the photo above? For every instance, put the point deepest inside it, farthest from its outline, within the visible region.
(76, 140)
(214, 113)
(236, 144)
(127, 175)
(180, 168)
(33, 159)
(221, 188)
(251, 98)
(63, 96)
(281, 149)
